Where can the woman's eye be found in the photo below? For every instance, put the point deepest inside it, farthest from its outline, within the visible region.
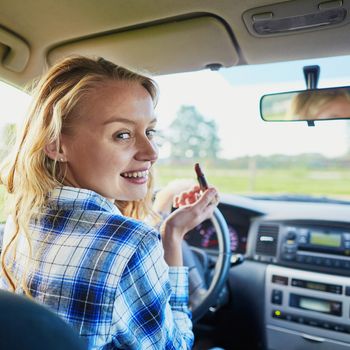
(123, 135)
(151, 133)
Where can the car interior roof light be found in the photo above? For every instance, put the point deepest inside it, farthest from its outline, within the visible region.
(293, 23)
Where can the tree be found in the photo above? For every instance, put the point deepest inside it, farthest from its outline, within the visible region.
(191, 136)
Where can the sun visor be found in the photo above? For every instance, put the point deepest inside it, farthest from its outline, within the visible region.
(177, 46)
(14, 51)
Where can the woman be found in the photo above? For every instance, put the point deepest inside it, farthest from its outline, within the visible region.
(321, 104)
(80, 178)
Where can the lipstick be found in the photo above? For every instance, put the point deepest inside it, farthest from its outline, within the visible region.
(201, 178)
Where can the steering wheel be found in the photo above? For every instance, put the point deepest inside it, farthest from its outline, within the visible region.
(201, 296)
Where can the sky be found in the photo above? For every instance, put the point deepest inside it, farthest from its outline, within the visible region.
(231, 97)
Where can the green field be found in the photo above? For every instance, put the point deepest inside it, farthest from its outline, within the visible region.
(332, 183)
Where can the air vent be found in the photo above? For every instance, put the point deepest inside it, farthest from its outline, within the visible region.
(266, 242)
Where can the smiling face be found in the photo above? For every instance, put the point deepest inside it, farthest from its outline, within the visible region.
(110, 148)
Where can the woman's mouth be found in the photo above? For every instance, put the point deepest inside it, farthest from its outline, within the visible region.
(136, 177)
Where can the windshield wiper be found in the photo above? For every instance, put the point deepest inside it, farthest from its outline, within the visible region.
(299, 198)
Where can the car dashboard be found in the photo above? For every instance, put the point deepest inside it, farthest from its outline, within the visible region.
(238, 221)
(293, 289)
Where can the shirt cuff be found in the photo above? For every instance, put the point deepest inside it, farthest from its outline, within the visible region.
(178, 277)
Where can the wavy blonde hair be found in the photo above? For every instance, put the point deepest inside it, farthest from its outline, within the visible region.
(28, 173)
(308, 104)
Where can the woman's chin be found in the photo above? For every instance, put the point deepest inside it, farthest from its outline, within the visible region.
(140, 195)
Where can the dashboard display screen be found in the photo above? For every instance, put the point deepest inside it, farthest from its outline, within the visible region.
(325, 239)
(316, 286)
(332, 307)
(204, 236)
(315, 304)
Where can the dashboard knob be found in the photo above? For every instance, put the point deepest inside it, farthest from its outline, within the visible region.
(291, 235)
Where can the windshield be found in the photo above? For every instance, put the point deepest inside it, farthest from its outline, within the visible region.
(212, 117)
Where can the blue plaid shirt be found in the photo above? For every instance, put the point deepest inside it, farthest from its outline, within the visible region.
(105, 274)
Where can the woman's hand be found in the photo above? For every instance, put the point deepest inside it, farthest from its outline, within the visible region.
(164, 199)
(193, 208)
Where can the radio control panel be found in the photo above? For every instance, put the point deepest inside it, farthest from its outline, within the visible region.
(321, 247)
(308, 302)
(315, 239)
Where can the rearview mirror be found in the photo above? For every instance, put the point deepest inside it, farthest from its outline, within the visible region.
(306, 105)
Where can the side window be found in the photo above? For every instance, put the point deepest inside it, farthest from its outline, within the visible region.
(13, 107)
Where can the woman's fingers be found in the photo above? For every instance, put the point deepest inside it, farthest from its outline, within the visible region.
(179, 200)
(187, 197)
(181, 221)
(202, 205)
(209, 197)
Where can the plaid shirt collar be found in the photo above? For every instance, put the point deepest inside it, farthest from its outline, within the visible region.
(72, 198)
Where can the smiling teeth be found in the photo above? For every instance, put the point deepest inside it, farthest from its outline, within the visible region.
(136, 174)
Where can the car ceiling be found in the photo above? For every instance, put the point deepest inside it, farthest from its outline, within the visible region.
(159, 36)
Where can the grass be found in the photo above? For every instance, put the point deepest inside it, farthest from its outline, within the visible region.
(332, 183)
(335, 183)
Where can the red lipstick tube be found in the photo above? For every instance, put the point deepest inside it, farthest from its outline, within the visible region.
(201, 178)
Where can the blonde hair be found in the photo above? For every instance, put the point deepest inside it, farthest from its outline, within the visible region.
(310, 103)
(28, 173)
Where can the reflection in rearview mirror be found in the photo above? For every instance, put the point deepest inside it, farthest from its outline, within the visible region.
(319, 104)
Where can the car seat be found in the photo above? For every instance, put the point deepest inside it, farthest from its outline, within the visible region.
(25, 324)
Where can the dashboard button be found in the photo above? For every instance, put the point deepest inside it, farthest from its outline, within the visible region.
(303, 238)
(336, 289)
(308, 259)
(288, 256)
(312, 322)
(290, 248)
(278, 314)
(283, 280)
(277, 297)
(300, 319)
(327, 262)
(339, 328)
(326, 325)
(300, 258)
(318, 261)
(291, 234)
(289, 317)
(336, 263)
(297, 283)
(347, 291)
(345, 264)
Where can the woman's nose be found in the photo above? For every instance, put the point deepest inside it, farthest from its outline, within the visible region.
(146, 150)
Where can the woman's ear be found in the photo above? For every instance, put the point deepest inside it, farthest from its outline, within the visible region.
(51, 150)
